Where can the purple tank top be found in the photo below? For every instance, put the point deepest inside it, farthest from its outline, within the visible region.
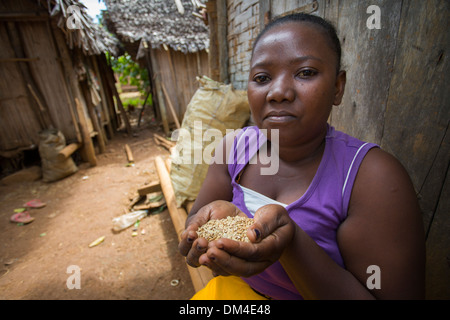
(319, 211)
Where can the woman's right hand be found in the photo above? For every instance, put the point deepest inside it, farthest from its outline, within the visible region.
(190, 245)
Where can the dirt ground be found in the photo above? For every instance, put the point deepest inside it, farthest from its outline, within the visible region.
(34, 258)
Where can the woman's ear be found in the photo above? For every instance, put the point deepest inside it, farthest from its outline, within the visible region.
(341, 79)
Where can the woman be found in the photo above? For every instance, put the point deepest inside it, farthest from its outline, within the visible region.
(337, 211)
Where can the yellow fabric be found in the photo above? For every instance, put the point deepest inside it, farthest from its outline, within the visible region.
(227, 288)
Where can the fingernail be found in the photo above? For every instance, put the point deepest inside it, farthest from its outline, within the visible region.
(257, 233)
(190, 240)
(200, 248)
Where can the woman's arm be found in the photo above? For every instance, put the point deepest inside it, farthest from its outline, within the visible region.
(383, 229)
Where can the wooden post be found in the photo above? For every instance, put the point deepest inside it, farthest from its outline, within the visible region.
(121, 108)
(218, 48)
(112, 87)
(88, 146)
(93, 116)
(199, 276)
(160, 97)
(152, 81)
(103, 95)
(105, 74)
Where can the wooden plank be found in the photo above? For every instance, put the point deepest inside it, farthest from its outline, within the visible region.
(48, 74)
(93, 115)
(123, 113)
(88, 146)
(159, 94)
(214, 67)
(368, 57)
(105, 72)
(61, 53)
(68, 151)
(41, 111)
(417, 115)
(150, 188)
(104, 102)
(18, 125)
(130, 157)
(438, 247)
(222, 31)
(264, 13)
(428, 191)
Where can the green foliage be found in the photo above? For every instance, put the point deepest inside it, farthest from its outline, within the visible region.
(129, 72)
(136, 101)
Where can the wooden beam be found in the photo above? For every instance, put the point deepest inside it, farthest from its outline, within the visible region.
(121, 108)
(104, 103)
(68, 150)
(64, 65)
(159, 94)
(129, 154)
(93, 115)
(41, 111)
(153, 187)
(88, 146)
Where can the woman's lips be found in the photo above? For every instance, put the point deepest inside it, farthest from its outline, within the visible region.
(279, 116)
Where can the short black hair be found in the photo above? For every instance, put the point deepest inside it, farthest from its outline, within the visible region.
(325, 26)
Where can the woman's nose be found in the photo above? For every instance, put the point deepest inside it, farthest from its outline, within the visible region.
(281, 89)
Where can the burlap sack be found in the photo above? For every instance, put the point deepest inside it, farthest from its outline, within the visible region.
(214, 106)
(50, 143)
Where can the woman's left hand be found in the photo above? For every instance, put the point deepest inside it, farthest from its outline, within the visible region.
(271, 233)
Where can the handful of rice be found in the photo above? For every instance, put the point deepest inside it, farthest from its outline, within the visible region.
(234, 228)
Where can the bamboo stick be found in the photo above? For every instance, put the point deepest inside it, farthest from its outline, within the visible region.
(199, 276)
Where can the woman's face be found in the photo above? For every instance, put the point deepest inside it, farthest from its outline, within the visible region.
(292, 83)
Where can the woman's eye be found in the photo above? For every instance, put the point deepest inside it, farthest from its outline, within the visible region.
(261, 79)
(307, 73)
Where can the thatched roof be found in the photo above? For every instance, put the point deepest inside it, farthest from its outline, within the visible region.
(159, 23)
(79, 28)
